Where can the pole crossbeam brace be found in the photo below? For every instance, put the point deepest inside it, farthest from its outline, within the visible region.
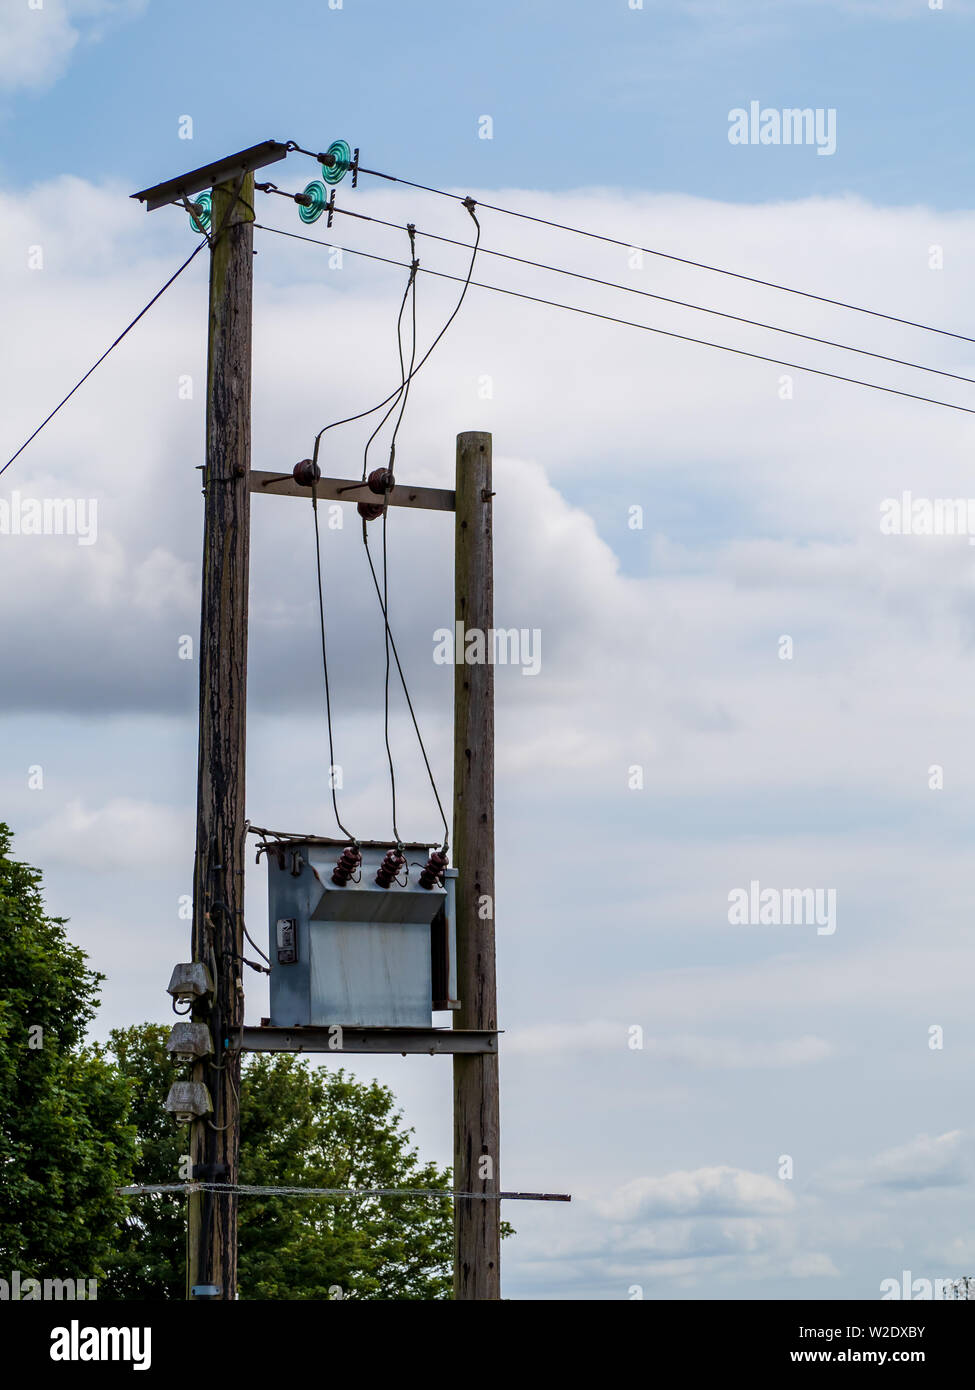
(432, 499)
(354, 1038)
(233, 166)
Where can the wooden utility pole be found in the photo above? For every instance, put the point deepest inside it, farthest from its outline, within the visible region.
(477, 1223)
(218, 882)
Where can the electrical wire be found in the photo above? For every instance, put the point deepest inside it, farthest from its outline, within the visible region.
(253, 964)
(384, 605)
(392, 643)
(158, 295)
(383, 593)
(465, 281)
(256, 948)
(630, 323)
(681, 260)
(410, 285)
(408, 378)
(205, 240)
(328, 698)
(384, 601)
(667, 299)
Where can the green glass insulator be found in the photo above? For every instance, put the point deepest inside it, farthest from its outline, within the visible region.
(318, 194)
(342, 154)
(201, 222)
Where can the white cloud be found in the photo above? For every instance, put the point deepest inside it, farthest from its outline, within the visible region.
(925, 1162)
(720, 1191)
(603, 1035)
(123, 835)
(812, 1265)
(37, 41)
(659, 647)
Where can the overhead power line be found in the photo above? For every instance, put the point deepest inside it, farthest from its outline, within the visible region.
(630, 323)
(667, 299)
(199, 247)
(681, 260)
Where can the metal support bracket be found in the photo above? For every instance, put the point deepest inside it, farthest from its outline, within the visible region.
(353, 1038)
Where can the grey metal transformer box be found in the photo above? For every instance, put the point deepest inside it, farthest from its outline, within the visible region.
(358, 955)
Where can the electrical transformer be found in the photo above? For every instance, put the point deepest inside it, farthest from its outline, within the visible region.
(348, 949)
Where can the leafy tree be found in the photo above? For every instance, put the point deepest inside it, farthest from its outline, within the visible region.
(300, 1127)
(148, 1261)
(65, 1141)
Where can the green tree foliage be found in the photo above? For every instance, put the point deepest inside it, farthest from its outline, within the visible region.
(148, 1262)
(65, 1140)
(300, 1127)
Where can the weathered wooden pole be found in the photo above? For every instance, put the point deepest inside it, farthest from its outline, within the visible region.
(477, 1241)
(218, 881)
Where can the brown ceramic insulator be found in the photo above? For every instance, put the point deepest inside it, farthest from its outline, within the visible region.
(369, 511)
(432, 871)
(349, 861)
(306, 472)
(389, 869)
(380, 480)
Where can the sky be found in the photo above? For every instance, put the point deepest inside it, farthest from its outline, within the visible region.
(744, 677)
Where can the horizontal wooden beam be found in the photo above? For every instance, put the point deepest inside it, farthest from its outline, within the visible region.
(432, 499)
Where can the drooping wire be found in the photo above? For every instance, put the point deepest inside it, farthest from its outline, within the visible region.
(466, 281)
(158, 295)
(206, 239)
(630, 323)
(406, 692)
(328, 698)
(384, 601)
(397, 395)
(385, 609)
(382, 593)
(670, 256)
(408, 378)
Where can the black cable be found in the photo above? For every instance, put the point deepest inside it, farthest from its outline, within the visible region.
(384, 603)
(392, 643)
(410, 284)
(328, 700)
(199, 247)
(408, 379)
(243, 926)
(682, 260)
(629, 323)
(469, 204)
(383, 594)
(679, 303)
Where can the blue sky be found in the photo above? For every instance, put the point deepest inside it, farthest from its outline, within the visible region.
(580, 93)
(660, 645)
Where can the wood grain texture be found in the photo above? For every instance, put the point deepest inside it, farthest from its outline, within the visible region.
(477, 1244)
(218, 881)
(434, 499)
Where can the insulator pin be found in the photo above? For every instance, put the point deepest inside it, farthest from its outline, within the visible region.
(380, 481)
